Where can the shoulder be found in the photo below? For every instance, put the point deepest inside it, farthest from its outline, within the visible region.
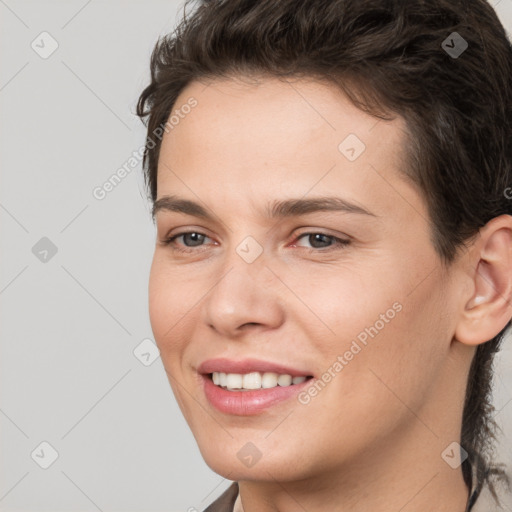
(226, 501)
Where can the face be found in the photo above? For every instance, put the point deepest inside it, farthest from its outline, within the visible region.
(345, 296)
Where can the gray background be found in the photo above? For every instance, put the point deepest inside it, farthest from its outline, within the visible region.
(72, 320)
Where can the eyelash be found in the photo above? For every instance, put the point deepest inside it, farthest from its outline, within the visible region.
(340, 242)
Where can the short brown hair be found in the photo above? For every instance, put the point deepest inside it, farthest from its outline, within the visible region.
(390, 58)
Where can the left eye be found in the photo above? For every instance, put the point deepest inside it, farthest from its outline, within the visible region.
(315, 238)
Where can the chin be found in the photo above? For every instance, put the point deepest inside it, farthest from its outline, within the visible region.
(244, 461)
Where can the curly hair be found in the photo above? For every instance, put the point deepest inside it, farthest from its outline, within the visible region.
(390, 58)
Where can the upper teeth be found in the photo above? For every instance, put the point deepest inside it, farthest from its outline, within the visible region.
(254, 380)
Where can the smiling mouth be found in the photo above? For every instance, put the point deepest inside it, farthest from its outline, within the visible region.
(254, 381)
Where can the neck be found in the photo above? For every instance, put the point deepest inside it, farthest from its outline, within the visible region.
(407, 476)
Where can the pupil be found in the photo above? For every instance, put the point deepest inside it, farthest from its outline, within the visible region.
(193, 235)
(317, 238)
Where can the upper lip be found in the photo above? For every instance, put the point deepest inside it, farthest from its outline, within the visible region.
(247, 366)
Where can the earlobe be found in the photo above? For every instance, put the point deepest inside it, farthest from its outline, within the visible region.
(489, 308)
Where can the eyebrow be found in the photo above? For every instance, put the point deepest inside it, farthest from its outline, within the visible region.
(274, 210)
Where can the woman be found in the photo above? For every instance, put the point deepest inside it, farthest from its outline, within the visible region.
(333, 266)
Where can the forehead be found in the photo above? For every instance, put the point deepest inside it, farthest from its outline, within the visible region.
(275, 115)
(279, 138)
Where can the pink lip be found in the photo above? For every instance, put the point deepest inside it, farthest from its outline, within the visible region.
(247, 366)
(247, 403)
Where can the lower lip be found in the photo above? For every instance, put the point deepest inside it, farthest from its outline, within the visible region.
(248, 403)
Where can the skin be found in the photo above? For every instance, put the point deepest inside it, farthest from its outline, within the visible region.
(372, 438)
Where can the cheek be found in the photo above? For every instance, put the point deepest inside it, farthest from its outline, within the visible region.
(166, 306)
(349, 305)
(167, 313)
(159, 302)
(402, 360)
(385, 335)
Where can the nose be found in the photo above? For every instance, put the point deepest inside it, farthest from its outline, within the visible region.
(245, 296)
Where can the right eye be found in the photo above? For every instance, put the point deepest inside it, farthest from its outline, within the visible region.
(198, 237)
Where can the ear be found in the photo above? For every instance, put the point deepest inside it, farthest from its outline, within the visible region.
(489, 307)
